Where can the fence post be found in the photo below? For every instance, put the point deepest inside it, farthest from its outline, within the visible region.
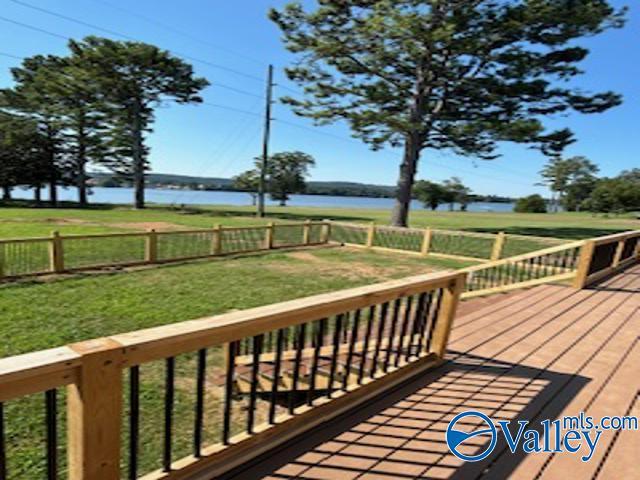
(151, 247)
(584, 262)
(498, 245)
(326, 232)
(448, 305)
(426, 241)
(1, 260)
(371, 234)
(216, 240)
(56, 253)
(306, 232)
(94, 411)
(268, 236)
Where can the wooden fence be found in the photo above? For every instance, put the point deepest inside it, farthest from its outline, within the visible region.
(68, 253)
(455, 244)
(305, 361)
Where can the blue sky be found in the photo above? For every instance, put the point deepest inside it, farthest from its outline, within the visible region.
(209, 140)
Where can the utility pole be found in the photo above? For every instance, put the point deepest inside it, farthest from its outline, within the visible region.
(265, 143)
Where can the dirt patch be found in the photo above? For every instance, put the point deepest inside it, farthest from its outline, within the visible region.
(305, 256)
(148, 226)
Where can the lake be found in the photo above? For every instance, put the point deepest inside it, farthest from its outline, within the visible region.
(198, 197)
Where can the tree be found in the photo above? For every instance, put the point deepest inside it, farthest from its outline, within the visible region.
(575, 174)
(286, 172)
(134, 78)
(431, 194)
(614, 195)
(442, 74)
(531, 204)
(456, 191)
(248, 182)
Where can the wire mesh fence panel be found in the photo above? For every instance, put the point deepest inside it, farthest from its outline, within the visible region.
(520, 244)
(242, 239)
(86, 252)
(398, 239)
(345, 233)
(24, 258)
(629, 248)
(317, 233)
(463, 244)
(288, 235)
(176, 245)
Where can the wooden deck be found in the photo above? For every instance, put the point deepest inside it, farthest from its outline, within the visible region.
(537, 354)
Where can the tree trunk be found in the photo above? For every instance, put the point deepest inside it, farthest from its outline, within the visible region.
(138, 156)
(81, 163)
(408, 168)
(37, 194)
(283, 202)
(53, 171)
(6, 193)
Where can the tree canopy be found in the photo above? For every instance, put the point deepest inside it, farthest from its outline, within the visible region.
(443, 74)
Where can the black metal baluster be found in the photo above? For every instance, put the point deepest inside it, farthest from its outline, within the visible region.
(168, 412)
(381, 326)
(365, 346)
(134, 420)
(228, 390)
(403, 331)
(352, 345)
(296, 368)
(392, 333)
(334, 355)
(51, 423)
(319, 341)
(276, 375)
(199, 414)
(415, 325)
(425, 322)
(3, 454)
(434, 318)
(255, 369)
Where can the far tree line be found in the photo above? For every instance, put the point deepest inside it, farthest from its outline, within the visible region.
(92, 107)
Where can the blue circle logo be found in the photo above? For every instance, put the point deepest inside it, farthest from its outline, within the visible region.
(458, 434)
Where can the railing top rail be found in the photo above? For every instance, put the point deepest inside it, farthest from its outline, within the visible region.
(526, 256)
(614, 237)
(25, 240)
(170, 340)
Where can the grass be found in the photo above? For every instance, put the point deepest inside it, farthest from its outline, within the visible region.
(40, 314)
(19, 221)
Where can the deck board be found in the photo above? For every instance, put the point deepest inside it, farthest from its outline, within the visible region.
(542, 353)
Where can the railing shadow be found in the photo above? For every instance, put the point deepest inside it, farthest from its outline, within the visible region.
(402, 435)
(604, 285)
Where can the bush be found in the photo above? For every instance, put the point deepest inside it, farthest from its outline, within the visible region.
(531, 204)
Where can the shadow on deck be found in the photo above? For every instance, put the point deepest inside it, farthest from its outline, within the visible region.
(539, 354)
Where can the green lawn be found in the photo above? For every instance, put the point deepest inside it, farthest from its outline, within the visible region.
(20, 221)
(40, 314)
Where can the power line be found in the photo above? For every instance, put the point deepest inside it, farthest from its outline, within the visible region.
(234, 109)
(179, 32)
(31, 27)
(11, 56)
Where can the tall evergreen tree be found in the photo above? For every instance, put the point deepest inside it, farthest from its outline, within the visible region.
(442, 74)
(134, 78)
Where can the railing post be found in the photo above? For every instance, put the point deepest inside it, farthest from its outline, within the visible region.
(426, 241)
(584, 262)
(94, 411)
(618, 254)
(56, 253)
(498, 245)
(444, 321)
(216, 240)
(1, 260)
(151, 247)
(306, 232)
(268, 236)
(371, 233)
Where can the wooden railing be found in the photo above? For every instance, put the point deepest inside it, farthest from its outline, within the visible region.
(455, 244)
(68, 253)
(604, 255)
(251, 380)
(552, 264)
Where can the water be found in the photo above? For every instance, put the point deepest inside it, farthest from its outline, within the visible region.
(198, 197)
